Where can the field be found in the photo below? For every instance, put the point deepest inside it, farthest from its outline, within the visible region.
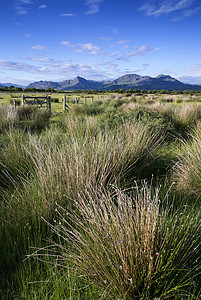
(102, 200)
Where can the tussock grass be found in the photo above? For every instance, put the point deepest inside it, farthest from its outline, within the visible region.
(58, 168)
(111, 244)
(131, 246)
(187, 171)
(8, 118)
(183, 117)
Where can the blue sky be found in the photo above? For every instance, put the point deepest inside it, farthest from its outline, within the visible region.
(99, 39)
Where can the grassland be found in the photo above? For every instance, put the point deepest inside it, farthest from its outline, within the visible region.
(102, 200)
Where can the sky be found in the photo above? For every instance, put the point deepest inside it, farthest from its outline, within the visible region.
(55, 40)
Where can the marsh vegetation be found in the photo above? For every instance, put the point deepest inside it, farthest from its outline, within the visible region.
(102, 200)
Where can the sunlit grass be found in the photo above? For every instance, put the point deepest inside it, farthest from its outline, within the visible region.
(86, 160)
(131, 246)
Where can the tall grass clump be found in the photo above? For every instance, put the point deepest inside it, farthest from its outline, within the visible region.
(187, 171)
(33, 119)
(8, 118)
(182, 117)
(186, 116)
(15, 163)
(130, 246)
(58, 169)
(86, 110)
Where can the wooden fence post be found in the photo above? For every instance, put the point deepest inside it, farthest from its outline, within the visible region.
(22, 100)
(64, 102)
(92, 99)
(85, 100)
(49, 103)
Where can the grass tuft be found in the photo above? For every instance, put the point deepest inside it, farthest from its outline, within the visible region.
(131, 246)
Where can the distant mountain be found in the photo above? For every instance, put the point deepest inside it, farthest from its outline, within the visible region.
(126, 82)
(11, 84)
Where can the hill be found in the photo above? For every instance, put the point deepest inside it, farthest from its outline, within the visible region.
(10, 84)
(126, 82)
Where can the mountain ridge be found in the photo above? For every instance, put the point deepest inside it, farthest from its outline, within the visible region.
(126, 82)
(8, 84)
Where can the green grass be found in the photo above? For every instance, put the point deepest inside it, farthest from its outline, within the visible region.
(83, 163)
(132, 246)
(187, 171)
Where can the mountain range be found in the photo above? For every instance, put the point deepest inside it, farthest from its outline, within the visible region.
(10, 84)
(126, 82)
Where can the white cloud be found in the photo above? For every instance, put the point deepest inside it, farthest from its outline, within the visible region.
(190, 79)
(37, 47)
(159, 7)
(17, 66)
(42, 6)
(55, 70)
(79, 48)
(187, 14)
(114, 54)
(194, 71)
(93, 5)
(67, 15)
(66, 43)
(123, 42)
(41, 59)
(50, 69)
(138, 51)
(21, 6)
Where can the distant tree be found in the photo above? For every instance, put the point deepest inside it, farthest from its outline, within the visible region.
(51, 90)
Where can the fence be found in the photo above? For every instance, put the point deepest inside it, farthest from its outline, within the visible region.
(45, 101)
(40, 102)
(76, 100)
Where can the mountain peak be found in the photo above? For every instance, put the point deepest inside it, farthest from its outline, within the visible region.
(129, 81)
(165, 77)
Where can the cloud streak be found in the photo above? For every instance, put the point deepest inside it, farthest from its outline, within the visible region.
(37, 47)
(138, 51)
(93, 6)
(21, 6)
(89, 48)
(42, 6)
(56, 69)
(67, 15)
(17, 66)
(159, 7)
